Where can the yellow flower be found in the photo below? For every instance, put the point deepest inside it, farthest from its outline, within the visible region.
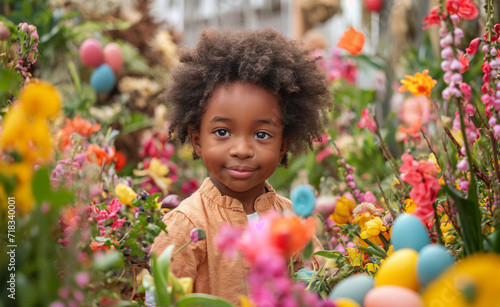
(433, 159)
(246, 302)
(157, 171)
(372, 268)
(125, 194)
(158, 168)
(187, 284)
(471, 282)
(354, 256)
(30, 138)
(343, 210)
(40, 99)
(373, 228)
(419, 84)
(410, 205)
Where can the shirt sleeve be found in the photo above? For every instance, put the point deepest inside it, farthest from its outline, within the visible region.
(186, 262)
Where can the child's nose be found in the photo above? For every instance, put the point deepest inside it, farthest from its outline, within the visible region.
(242, 148)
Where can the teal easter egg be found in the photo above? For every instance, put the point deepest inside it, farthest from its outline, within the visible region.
(303, 200)
(409, 232)
(353, 287)
(433, 260)
(103, 79)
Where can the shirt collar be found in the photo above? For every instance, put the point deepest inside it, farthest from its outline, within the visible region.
(262, 204)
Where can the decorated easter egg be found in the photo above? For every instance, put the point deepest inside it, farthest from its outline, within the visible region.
(325, 205)
(303, 199)
(103, 79)
(113, 56)
(392, 296)
(354, 287)
(345, 302)
(433, 260)
(409, 232)
(91, 53)
(399, 269)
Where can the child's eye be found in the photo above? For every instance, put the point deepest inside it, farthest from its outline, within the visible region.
(262, 135)
(221, 132)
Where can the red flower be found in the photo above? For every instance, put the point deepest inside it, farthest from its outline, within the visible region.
(120, 160)
(464, 61)
(494, 36)
(433, 18)
(473, 46)
(465, 9)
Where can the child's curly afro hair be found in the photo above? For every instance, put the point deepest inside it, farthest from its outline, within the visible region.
(263, 57)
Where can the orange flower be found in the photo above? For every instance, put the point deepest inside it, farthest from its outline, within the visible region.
(352, 41)
(419, 84)
(290, 233)
(99, 155)
(95, 245)
(78, 125)
(120, 160)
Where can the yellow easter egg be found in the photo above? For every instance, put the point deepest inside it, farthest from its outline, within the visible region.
(345, 302)
(399, 269)
(471, 282)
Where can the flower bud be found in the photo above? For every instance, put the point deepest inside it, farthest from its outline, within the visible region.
(170, 201)
(197, 234)
(463, 165)
(4, 32)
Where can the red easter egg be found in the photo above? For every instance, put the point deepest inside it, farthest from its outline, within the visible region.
(374, 5)
(91, 53)
(113, 56)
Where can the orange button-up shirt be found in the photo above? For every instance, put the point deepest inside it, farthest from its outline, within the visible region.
(212, 272)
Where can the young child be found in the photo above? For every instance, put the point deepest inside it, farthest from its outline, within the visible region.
(244, 100)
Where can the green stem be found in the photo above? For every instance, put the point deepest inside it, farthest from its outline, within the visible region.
(384, 241)
(437, 223)
(375, 246)
(180, 248)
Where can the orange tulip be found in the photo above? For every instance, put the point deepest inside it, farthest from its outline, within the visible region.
(290, 233)
(352, 41)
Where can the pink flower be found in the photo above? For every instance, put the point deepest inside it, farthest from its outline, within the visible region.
(421, 175)
(117, 223)
(465, 9)
(432, 19)
(416, 110)
(366, 122)
(189, 186)
(473, 46)
(322, 154)
(82, 279)
(227, 239)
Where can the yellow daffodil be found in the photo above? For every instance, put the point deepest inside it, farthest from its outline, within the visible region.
(410, 205)
(40, 99)
(418, 84)
(157, 171)
(373, 228)
(372, 268)
(354, 257)
(364, 212)
(187, 284)
(125, 194)
(343, 210)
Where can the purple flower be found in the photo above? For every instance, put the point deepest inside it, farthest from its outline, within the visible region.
(197, 234)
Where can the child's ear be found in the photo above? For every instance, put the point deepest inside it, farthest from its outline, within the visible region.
(194, 137)
(285, 144)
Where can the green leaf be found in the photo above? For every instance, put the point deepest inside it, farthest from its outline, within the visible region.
(306, 254)
(200, 299)
(329, 254)
(41, 185)
(61, 197)
(110, 260)
(162, 296)
(469, 218)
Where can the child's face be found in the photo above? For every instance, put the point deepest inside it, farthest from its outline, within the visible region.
(241, 138)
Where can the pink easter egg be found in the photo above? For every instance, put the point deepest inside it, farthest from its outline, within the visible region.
(91, 53)
(113, 56)
(392, 296)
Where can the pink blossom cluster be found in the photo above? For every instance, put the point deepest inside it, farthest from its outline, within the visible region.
(491, 77)
(27, 52)
(349, 177)
(366, 121)
(270, 285)
(103, 215)
(336, 66)
(66, 171)
(421, 175)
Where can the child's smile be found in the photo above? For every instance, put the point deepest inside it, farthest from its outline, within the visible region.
(240, 139)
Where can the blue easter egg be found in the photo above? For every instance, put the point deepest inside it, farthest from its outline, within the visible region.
(103, 79)
(303, 200)
(353, 287)
(433, 260)
(409, 232)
